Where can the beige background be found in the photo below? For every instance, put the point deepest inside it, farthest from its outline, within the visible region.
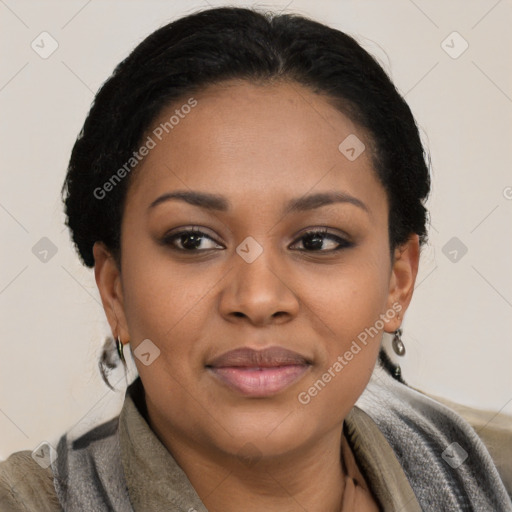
(457, 331)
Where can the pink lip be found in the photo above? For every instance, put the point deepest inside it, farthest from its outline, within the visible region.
(259, 373)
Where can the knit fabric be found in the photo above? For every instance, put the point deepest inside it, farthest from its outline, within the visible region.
(447, 464)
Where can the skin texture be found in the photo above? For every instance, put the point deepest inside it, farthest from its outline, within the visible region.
(259, 146)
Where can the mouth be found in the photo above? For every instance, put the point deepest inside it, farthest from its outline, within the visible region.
(259, 373)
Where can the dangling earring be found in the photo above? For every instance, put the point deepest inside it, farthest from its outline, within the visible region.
(397, 343)
(120, 349)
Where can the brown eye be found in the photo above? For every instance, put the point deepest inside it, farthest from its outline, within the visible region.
(190, 240)
(315, 241)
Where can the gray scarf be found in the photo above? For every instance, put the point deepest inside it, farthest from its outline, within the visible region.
(445, 477)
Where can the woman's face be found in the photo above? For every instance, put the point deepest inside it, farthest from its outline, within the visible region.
(259, 172)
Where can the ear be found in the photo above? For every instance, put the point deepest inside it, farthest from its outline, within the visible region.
(108, 280)
(403, 277)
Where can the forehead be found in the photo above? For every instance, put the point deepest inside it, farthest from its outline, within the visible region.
(247, 140)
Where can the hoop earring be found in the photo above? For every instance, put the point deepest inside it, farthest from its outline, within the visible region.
(397, 343)
(120, 349)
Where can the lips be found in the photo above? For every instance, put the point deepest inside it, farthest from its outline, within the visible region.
(259, 373)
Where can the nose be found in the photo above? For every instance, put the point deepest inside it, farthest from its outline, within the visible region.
(259, 292)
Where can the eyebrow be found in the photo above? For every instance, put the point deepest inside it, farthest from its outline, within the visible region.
(219, 203)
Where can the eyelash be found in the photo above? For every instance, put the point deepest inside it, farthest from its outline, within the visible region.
(323, 232)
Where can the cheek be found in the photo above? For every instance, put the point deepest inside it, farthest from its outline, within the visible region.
(347, 298)
(168, 304)
(350, 308)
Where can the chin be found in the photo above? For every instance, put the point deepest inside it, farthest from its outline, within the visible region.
(266, 433)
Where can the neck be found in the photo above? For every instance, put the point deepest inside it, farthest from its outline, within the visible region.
(311, 478)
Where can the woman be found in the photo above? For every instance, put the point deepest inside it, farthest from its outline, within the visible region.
(250, 191)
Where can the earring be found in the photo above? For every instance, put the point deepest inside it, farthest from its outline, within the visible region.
(397, 343)
(120, 349)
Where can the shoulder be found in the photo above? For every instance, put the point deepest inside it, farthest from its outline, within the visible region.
(25, 486)
(495, 431)
(434, 443)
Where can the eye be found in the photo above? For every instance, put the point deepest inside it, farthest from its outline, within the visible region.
(190, 240)
(314, 241)
(195, 240)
